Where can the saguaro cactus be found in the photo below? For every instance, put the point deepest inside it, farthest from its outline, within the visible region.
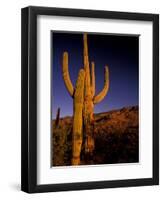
(84, 101)
(77, 136)
(57, 117)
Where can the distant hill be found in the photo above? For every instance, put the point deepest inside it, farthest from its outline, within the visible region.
(116, 138)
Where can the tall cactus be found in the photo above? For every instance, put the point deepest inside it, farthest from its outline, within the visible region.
(84, 101)
(77, 136)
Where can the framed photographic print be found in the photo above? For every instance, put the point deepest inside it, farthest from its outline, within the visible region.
(90, 99)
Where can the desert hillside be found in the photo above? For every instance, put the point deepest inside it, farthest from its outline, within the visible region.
(116, 138)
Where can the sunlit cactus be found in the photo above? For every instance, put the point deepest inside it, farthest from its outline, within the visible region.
(84, 101)
(77, 136)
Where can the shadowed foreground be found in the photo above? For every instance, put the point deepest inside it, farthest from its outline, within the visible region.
(116, 138)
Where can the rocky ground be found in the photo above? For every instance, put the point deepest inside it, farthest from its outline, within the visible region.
(116, 138)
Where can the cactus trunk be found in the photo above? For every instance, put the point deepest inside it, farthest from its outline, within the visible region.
(88, 104)
(77, 136)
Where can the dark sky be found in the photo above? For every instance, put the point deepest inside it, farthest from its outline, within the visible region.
(119, 52)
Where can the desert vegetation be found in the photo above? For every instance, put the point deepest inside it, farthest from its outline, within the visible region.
(116, 137)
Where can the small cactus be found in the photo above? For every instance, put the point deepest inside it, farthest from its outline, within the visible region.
(57, 118)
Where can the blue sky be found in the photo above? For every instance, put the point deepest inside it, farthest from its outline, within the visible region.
(119, 52)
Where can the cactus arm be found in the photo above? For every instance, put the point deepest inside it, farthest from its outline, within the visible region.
(78, 118)
(93, 78)
(66, 75)
(105, 89)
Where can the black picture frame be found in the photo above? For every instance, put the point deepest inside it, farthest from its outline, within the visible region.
(29, 98)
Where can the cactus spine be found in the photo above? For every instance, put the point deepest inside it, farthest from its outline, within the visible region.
(84, 101)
